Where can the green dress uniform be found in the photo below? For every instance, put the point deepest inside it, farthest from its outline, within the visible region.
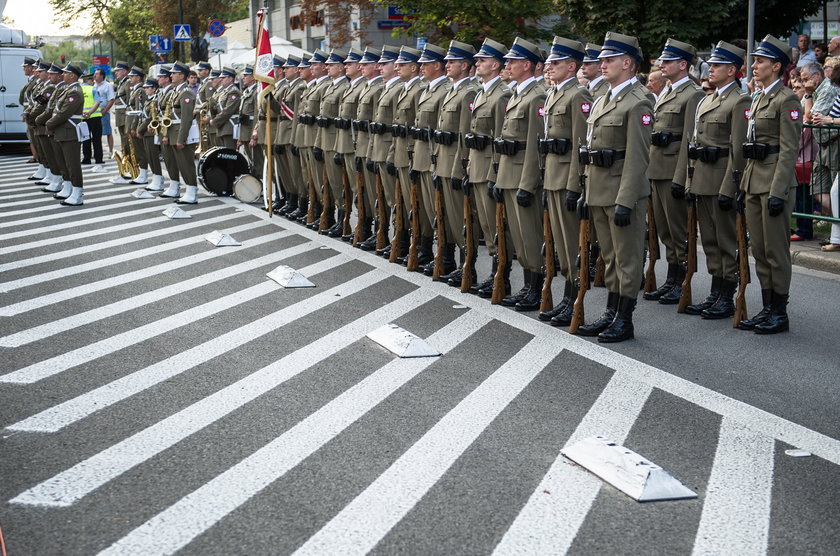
(619, 133)
(299, 141)
(769, 181)
(183, 103)
(150, 141)
(313, 155)
(361, 125)
(327, 134)
(66, 115)
(718, 163)
(381, 138)
(48, 139)
(136, 102)
(247, 120)
(227, 100)
(296, 183)
(166, 109)
(40, 100)
(346, 137)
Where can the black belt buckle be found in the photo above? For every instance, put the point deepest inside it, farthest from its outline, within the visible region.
(661, 138)
(755, 150)
(583, 156)
(709, 155)
(694, 151)
(245, 119)
(602, 158)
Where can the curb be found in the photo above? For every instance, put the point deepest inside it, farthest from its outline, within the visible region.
(817, 260)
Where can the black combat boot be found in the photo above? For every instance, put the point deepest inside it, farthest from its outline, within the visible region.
(456, 275)
(513, 299)
(369, 244)
(664, 288)
(777, 321)
(672, 296)
(487, 292)
(714, 294)
(289, 206)
(724, 307)
(767, 300)
(338, 228)
(606, 319)
(550, 314)
(300, 210)
(488, 282)
(531, 302)
(564, 317)
(622, 326)
(385, 251)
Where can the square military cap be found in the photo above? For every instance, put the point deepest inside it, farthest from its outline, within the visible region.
(524, 50)
(432, 53)
(138, 71)
(336, 56)
(180, 67)
(304, 61)
(43, 65)
(725, 53)
(371, 56)
(228, 72)
(74, 69)
(249, 70)
(292, 61)
(676, 50)
(771, 47)
(214, 73)
(354, 55)
(319, 57)
(408, 55)
(122, 66)
(165, 70)
(150, 83)
(54, 69)
(27, 61)
(460, 51)
(492, 49)
(592, 51)
(389, 54)
(204, 66)
(563, 48)
(616, 44)
(277, 61)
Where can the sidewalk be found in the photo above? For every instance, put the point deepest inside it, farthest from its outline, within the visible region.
(809, 255)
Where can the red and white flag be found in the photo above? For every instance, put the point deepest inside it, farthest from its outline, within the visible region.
(264, 65)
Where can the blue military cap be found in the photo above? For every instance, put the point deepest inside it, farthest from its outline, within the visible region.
(249, 70)
(616, 44)
(319, 56)
(408, 55)
(563, 48)
(164, 70)
(277, 61)
(138, 71)
(204, 66)
(389, 54)
(74, 69)
(29, 61)
(228, 72)
(676, 50)
(304, 62)
(725, 53)
(180, 67)
(460, 51)
(122, 66)
(372, 55)
(492, 49)
(292, 61)
(150, 83)
(336, 56)
(43, 66)
(524, 50)
(214, 73)
(592, 50)
(54, 69)
(432, 53)
(771, 47)
(354, 55)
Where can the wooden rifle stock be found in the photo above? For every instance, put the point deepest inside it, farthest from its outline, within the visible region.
(653, 250)
(381, 214)
(441, 235)
(583, 273)
(691, 256)
(399, 223)
(346, 230)
(323, 221)
(412, 263)
(546, 299)
(501, 256)
(358, 235)
(310, 210)
(469, 241)
(743, 269)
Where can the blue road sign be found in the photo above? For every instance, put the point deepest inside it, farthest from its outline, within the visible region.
(216, 28)
(182, 32)
(153, 42)
(165, 44)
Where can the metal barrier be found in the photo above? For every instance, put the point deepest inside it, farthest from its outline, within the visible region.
(817, 167)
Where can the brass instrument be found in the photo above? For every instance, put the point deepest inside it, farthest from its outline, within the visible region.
(203, 138)
(167, 116)
(126, 161)
(154, 122)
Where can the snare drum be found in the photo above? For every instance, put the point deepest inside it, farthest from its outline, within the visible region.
(247, 188)
(219, 167)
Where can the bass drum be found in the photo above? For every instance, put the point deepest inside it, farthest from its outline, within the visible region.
(218, 169)
(247, 189)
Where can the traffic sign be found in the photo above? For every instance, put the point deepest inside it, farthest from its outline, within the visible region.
(217, 45)
(216, 28)
(182, 32)
(153, 41)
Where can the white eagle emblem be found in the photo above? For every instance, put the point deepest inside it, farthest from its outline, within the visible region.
(585, 107)
(541, 111)
(645, 119)
(794, 115)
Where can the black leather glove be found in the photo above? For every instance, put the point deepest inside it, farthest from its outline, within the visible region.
(358, 162)
(677, 191)
(690, 197)
(582, 209)
(740, 201)
(437, 183)
(524, 198)
(467, 186)
(338, 159)
(414, 176)
(295, 151)
(318, 153)
(775, 206)
(725, 202)
(279, 150)
(490, 187)
(371, 166)
(456, 183)
(622, 216)
(572, 198)
(392, 170)
(545, 200)
(498, 195)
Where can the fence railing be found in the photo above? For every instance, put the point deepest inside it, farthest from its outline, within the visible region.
(817, 168)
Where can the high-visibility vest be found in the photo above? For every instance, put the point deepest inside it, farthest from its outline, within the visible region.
(90, 101)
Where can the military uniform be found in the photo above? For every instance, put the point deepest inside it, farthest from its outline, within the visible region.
(181, 132)
(136, 102)
(41, 99)
(289, 106)
(166, 110)
(313, 154)
(227, 102)
(345, 137)
(774, 127)
(325, 140)
(673, 123)
(60, 169)
(368, 98)
(66, 115)
(149, 140)
(247, 121)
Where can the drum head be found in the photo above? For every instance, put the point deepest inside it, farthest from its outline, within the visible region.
(247, 189)
(218, 167)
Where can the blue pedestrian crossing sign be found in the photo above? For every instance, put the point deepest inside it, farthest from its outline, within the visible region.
(182, 32)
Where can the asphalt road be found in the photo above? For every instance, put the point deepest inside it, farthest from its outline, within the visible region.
(159, 394)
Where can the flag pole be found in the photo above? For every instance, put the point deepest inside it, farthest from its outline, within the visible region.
(264, 72)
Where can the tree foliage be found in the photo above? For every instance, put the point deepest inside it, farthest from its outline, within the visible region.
(698, 22)
(340, 13)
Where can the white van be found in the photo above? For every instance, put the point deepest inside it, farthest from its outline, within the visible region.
(14, 47)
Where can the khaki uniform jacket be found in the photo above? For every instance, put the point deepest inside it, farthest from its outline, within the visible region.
(69, 102)
(183, 103)
(121, 101)
(384, 114)
(454, 116)
(46, 114)
(566, 111)
(622, 124)
(143, 121)
(347, 110)
(136, 101)
(204, 92)
(248, 109)
(674, 112)
(291, 98)
(488, 115)
(330, 103)
(262, 109)
(778, 122)
(523, 122)
(405, 113)
(426, 118)
(721, 121)
(25, 97)
(45, 90)
(312, 106)
(228, 100)
(599, 90)
(368, 99)
(163, 96)
(298, 129)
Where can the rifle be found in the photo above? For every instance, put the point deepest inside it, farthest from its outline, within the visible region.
(653, 249)
(325, 203)
(399, 222)
(501, 256)
(441, 233)
(546, 300)
(691, 263)
(346, 230)
(469, 238)
(310, 210)
(583, 246)
(414, 215)
(381, 213)
(360, 207)
(743, 259)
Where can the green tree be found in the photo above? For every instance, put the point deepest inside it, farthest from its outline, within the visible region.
(130, 27)
(68, 49)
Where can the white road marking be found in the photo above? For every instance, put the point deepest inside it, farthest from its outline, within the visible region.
(64, 212)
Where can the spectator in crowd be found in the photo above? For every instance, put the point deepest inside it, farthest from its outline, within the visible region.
(792, 67)
(806, 55)
(93, 116)
(706, 86)
(655, 83)
(821, 52)
(820, 95)
(104, 94)
(834, 46)
(192, 80)
(829, 142)
(808, 149)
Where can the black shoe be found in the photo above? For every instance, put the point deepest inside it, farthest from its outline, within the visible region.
(314, 225)
(564, 318)
(672, 297)
(429, 268)
(664, 288)
(487, 283)
(85, 161)
(369, 244)
(714, 294)
(548, 315)
(606, 319)
(777, 321)
(723, 307)
(531, 302)
(512, 299)
(767, 300)
(622, 326)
